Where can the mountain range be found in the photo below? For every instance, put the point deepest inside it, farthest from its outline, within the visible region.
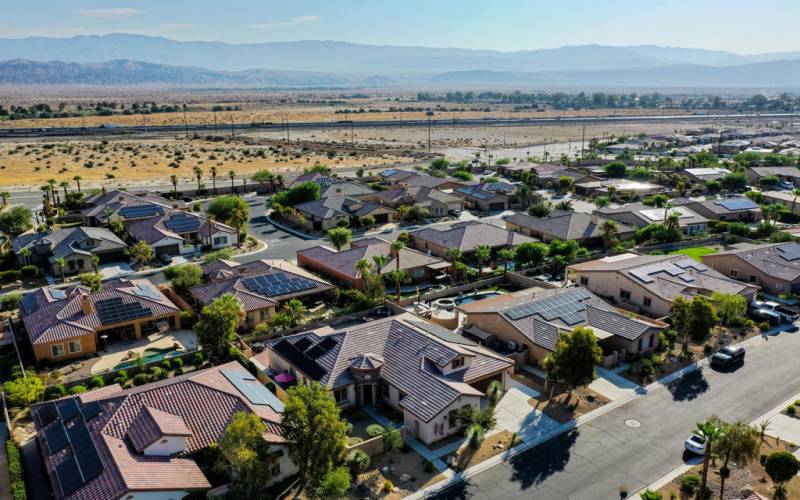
(124, 59)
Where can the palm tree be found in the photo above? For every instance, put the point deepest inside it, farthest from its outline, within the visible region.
(244, 184)
(363, 266)
(60, 262)
(238, 220)
(380, 262)
(454, 256)
(608, 229)
(52, 183)
(739, 443)
(507, 254)
(64, 185)
(494, 393)
(396, 246)
(673, 223)
(232, 175)
(5, 195)
(26, 255)
(296, 310)
(483, 253)
(398, 277)
(198, 173)
(279, 180)
(763, 427)
(711, 431)
(78, 180)
(795, 192)
(95, 262)
(174, 180)
(214, 179)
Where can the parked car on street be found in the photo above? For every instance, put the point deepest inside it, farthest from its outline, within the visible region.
(773, 312)
(696, 444)
(727, 356)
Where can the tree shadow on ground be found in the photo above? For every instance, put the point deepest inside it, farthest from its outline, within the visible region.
(688, 387)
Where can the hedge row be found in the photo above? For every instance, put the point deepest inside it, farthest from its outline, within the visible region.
(15, 469)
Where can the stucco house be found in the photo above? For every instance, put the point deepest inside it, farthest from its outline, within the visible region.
(325, 213)
(738, 209)
(639, 215)
(775, 267)
(421, 370)
(586, 229)
(465, 236)
(648, 284)
(76, 245)
(176, 232)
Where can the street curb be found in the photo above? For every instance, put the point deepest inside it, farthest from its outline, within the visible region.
(289, 230)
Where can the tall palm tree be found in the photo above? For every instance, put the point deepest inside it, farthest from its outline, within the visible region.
(5, 195)
(609, 231)
(232, 175)
(64, 185)
(279, 180)
(483, 253)
(673, 223)
(244, 184)
(52, 184)
(214, 179)
(396, 246)
(711, 431)
(380, 262)
(363, 266)
(174, 180)
(238, 220)
(398, 277)
(198, 173)
(78, 180)
(507, 254)
(739, 443)
(60, 262)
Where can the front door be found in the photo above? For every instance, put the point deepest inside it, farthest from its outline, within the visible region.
(366, 396)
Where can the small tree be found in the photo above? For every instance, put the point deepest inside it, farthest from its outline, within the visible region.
(781, 467)
(650, 495)
(24, 391)
(483, 253)
(711, 431)
(185, 276)
(575, 358)
(245, 455)
(398, 277)
(367, 221)
(739, 443)
(340, 237)
(216, 326)
(530, 254)
(334, 485)
(609, 231)
(174, 180)
(565, 183)
(15, 220)
(142, 252)
(507, 256)
(223, 208)
(91, 280)
(731, 307)
(315, 432)
(392, 441)
(61, 262)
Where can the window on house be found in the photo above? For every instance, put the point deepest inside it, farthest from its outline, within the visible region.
(652, 339)
(452, 421)
(57, 350)
(340, 395)
(264, 314)
(584, 280)
(457, 363)
(734, 273)
(647, 302)
(640, 344)
(625, 294)
(753, 279)
(385, 391)
(74, 346)
(220, 240)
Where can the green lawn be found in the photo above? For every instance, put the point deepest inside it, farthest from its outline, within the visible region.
(695, 252)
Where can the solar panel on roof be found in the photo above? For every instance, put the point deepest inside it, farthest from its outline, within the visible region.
(114, 310)
(300, 360)
(252, 389)
(69, 477)
(303, 344)
(58, 294)
(790, 251)
(67, 408)
(91, 410)
(183, 223)
(29, 303)
(315, 352)
(148, 291)
(327, 344)
(85, 451)
(556, 306)
(140, 211)
(274, 285)
(737, 204)
(56, 438)
(46, 413)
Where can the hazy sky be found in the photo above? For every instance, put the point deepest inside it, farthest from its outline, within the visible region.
(744, 26)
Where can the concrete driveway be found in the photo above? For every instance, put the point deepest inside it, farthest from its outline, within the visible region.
(515, 414)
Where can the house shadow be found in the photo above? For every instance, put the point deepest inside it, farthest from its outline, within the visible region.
(689, 387)
(537, 464)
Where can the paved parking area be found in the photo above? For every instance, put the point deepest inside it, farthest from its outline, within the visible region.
(613, 386)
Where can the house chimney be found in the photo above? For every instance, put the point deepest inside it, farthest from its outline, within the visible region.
(86, 304)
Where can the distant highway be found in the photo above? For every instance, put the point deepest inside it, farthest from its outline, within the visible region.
(347, 124)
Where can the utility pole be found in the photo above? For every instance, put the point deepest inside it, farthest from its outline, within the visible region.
(233, 130)
(185, 123)
(287, 129)
(215, 121)
(429, 134)
(583, 141)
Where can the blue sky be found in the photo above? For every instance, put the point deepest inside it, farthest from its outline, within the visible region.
(744, 26)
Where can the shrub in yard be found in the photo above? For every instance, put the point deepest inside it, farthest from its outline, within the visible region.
(791, 410)
(177, 362)
(690, 483)
(10, 301)
(388, 486)
(155, 371)
(140, 379)
(57, 391)
(122, 377)
(651, 495)
(797, 403)
(198, 359)
(178, 371)
(29, 271)
(357, 461)
(15, 470)
(97, 382)
(348, 428)
(78, 389)
(375, 430)
(166, 364)
(763, 326)
(428, 466)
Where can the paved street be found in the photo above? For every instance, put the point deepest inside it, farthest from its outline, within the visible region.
(595, 459)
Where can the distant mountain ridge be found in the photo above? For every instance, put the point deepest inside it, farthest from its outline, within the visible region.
(359, 59)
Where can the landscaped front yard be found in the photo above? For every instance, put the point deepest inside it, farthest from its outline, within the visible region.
(695, 253)
(564, 406)
(405, 470)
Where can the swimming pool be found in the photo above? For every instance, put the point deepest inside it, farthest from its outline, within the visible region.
(472, 298)
(148, 359)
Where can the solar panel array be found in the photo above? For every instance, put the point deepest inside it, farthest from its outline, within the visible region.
(140, 211)
(58, 294)
(273, 285)
(147, 291)
(67, 409)
(252, 389)
(29, 303)
(790, 251)
(568, 307)
(675, 269)
(46, 413)
(69, 476)
(737, 204)
(56, 438)
(183, 223)
(303, 343)
(91, 410)
(85, 451)
(114, 310)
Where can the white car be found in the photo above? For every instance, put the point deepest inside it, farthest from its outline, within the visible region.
(696, 444)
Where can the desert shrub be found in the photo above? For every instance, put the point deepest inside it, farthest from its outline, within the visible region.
(178, 371)
(140, 379)
(29, 271)
(177, 363)
(97, 382)
(9, 276)
(388, 486)
(122, 377)
(348, 428)
(791, 410)
(57, 391)
(198, 359)
(690, 483)
(375, 430)
(10, 301)
(78, 389)
(166, 364)
(357, 461)
(428, 466)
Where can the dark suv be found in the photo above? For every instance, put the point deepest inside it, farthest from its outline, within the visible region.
(727, 356)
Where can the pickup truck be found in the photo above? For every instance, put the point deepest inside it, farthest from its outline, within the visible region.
(773, 312)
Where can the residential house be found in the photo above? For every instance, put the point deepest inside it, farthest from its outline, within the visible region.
(786, 198)
(325, 213)
(483, 198)
(648, 284)
(701, 175)
(106, 205)
(635, 189)
(438, 203)
(623, 147)
(639, 215)
(343, 188)
(421, 370)
(261, 286)
(68, 323)
(565, 225)
(775, 267)
(342, 267)
(731, 147)
(177, 232)
(142, 443)
(76, 245)
(740, 209)
(531, 320)
(788, 174)
(546, 175)
(465, 237)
